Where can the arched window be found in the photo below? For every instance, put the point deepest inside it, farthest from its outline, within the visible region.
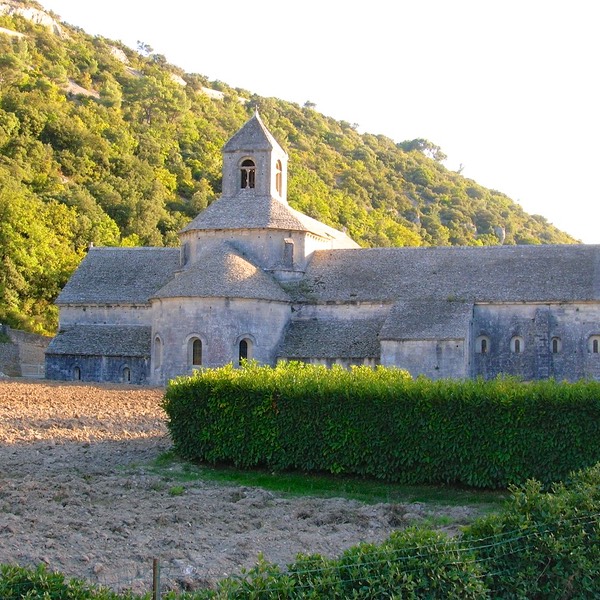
(517, 344)
(248, 173)
(556, 345)
(158, 350)
(196, 352)
(126, 375)
(594, 344)
(482, 344)
(245, 350)
(77, 374)
(278, 177)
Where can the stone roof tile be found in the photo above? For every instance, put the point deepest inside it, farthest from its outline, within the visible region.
(253, 135)
(222, 271)
(427, 320)
(120, 275)
(546, 273)
(102, 340)
(250, 211)
(332, 338)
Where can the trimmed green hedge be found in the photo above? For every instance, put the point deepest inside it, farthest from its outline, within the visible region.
(380, 423)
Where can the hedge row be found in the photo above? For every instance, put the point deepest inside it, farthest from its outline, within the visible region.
(380, 423)
(543, 545)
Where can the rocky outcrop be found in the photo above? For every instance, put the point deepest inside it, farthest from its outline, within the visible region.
(35, 15)
(11, 33)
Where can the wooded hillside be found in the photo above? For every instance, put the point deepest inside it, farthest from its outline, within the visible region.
(102, 144)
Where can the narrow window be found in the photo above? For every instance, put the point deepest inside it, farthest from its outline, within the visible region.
(278, 177)
(157, 352)
(482, 344)
(517, 345)
(595, 346)
(556, 345)
(184, 254)
(248, 173)
(126, 375)
(77, 374)
(288, 252)
(243, 351)
(196, 353)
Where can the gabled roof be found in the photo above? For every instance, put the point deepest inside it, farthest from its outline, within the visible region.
(427, 320)
(120, 275)
(333, 338)
(471, 274)
(102, 340)
(222, 271)
(252, 136)
(247, 211)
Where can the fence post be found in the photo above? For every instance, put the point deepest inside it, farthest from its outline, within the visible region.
(155, 579)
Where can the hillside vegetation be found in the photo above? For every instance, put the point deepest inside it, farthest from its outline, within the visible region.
(101, 144)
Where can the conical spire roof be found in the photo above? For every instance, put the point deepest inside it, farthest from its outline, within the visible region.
(252, 136)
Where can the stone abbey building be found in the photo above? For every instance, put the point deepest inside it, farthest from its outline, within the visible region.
(254, 278)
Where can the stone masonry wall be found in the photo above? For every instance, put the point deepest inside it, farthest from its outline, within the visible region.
(23, 354)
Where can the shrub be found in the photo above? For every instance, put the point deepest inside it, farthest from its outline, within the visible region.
(543, 544)
(411, 564)
(380, 423)
(40, 584)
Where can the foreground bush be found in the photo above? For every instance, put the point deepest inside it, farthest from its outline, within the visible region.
(410, 564)
(380, 423)
(17, 583)
(543, 545)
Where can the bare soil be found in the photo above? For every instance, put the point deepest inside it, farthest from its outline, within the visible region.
(77, 494)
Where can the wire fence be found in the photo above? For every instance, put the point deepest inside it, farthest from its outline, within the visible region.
(487, 555)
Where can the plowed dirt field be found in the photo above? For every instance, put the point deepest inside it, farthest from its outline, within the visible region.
(77, 493)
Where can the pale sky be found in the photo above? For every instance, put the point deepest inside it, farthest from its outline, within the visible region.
(507, 88)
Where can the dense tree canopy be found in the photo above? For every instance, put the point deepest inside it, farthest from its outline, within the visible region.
(101, 144)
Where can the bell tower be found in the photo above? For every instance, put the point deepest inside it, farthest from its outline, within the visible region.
(254, 163)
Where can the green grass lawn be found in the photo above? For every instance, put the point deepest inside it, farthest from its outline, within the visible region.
(370, 491)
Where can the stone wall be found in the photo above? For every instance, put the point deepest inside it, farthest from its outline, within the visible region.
(537, 325)
(220, 324)
(23, 354)
(436, 359)
(114, 369)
